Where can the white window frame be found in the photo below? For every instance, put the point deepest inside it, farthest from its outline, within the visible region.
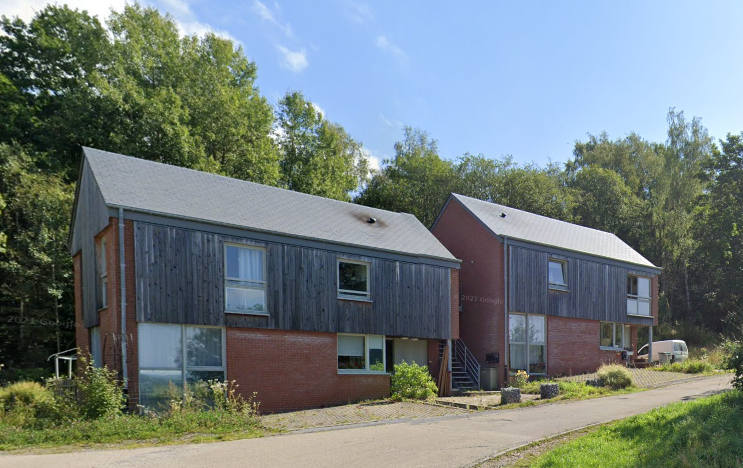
(527, 343)
(636, 299)
(238, 283)
(103, 276)
(614, 347)
(564, 265)
(184, 368)
(350, 294)
(366, 369)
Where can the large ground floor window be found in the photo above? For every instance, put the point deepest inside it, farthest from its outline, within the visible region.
(173, 356)
(526, 337)
(361, 353)
(614, 336)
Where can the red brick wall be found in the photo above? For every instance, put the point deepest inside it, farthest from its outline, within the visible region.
(573, 346)
(481, 320)
(292, 370)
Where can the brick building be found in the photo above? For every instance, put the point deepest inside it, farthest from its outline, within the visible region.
(576, 297)
(183, 276)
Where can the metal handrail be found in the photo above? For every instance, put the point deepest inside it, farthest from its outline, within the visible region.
(468, 360)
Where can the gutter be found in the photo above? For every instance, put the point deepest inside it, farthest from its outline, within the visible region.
(122, 283)
(505, 308)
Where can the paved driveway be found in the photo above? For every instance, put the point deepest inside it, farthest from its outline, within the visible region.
(450, 441)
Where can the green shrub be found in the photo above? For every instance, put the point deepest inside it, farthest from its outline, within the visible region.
(519, 380)
(25, 403)
(100, 392)
(412, 381)
(614, 376)
(734, 361)
(690, 366)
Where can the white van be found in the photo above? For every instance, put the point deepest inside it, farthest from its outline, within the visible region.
(677, 348)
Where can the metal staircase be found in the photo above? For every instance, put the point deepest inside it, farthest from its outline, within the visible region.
(465, 370)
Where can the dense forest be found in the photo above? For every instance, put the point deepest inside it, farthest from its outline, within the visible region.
(134, 85)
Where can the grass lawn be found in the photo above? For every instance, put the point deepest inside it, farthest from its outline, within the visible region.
(690, 366)
(705, 432)
(128, 431)
(578, 390)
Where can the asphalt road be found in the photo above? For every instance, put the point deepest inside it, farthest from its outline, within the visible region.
(452, 441)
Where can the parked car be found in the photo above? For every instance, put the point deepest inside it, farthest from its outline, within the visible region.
(677, 348)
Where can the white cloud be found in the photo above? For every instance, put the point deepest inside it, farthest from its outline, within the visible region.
(320, 110)
(26, 9)
(295, 61)
(268, 16)
(375, 160)
(360, 12)
(390, 123)
(388, 46)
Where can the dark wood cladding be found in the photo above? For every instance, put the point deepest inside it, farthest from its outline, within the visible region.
(91, 217)
(180, 279)
(596, 290)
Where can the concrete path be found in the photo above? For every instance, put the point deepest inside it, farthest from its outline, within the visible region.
(452, 441)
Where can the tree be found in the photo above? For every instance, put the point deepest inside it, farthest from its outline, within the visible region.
(415, 181)
(317, 156)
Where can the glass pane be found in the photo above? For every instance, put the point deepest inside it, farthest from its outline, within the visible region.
(536, 360)
(352, 276)
(536, 328)
(376, 353)
(156, 387)
(244, 263)
(631, 285)
(196, 376)
(632, 306)
(245, 300)
(607, 332)
(203, 346)
(643, 307)
(643, 287)
(160, 346)
(618, 336)
(627, 338)
(350, 345)
(518, 357)
(517, 328)
(556, 273)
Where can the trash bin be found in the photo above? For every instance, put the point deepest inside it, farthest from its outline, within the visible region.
(488, 378)
(664, 358)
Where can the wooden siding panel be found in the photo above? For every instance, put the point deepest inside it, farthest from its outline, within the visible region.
(596, 290)
(180, 279)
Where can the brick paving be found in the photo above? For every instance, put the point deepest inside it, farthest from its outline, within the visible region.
(483, 401)
(357, 413)
(644, 378)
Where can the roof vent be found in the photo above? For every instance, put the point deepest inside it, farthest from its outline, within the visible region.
(502, 215)
(371, 220)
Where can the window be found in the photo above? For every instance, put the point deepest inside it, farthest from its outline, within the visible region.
(613, 336)
(95, 347)
(103, 280)
(245, 280)
(353, 280)
(361, 353)
(558, 274)
(526, 338)
(179, 355)
(638, 296)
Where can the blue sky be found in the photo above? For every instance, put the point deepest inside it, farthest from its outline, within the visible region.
(521, 78)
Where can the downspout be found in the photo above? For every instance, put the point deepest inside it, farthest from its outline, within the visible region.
(122, 282)
(505, 310)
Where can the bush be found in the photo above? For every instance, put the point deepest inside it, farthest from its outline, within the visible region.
(519, 380)
(614, 376)
(690, 366)
(412, 381)
(101, 394)
(25, 403)
(734, 361)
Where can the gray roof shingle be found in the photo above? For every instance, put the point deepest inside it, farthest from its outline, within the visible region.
(533, 228)
(151, 187)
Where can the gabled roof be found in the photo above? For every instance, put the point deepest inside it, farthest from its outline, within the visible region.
(536, 229)
(160, 189)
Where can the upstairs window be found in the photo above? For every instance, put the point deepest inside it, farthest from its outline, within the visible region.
(353, 280)
(103, 276)
(558, 274)
(638, 295)
(245, 280)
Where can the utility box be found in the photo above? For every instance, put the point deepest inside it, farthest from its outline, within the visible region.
(488, 378)
(664, 358)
